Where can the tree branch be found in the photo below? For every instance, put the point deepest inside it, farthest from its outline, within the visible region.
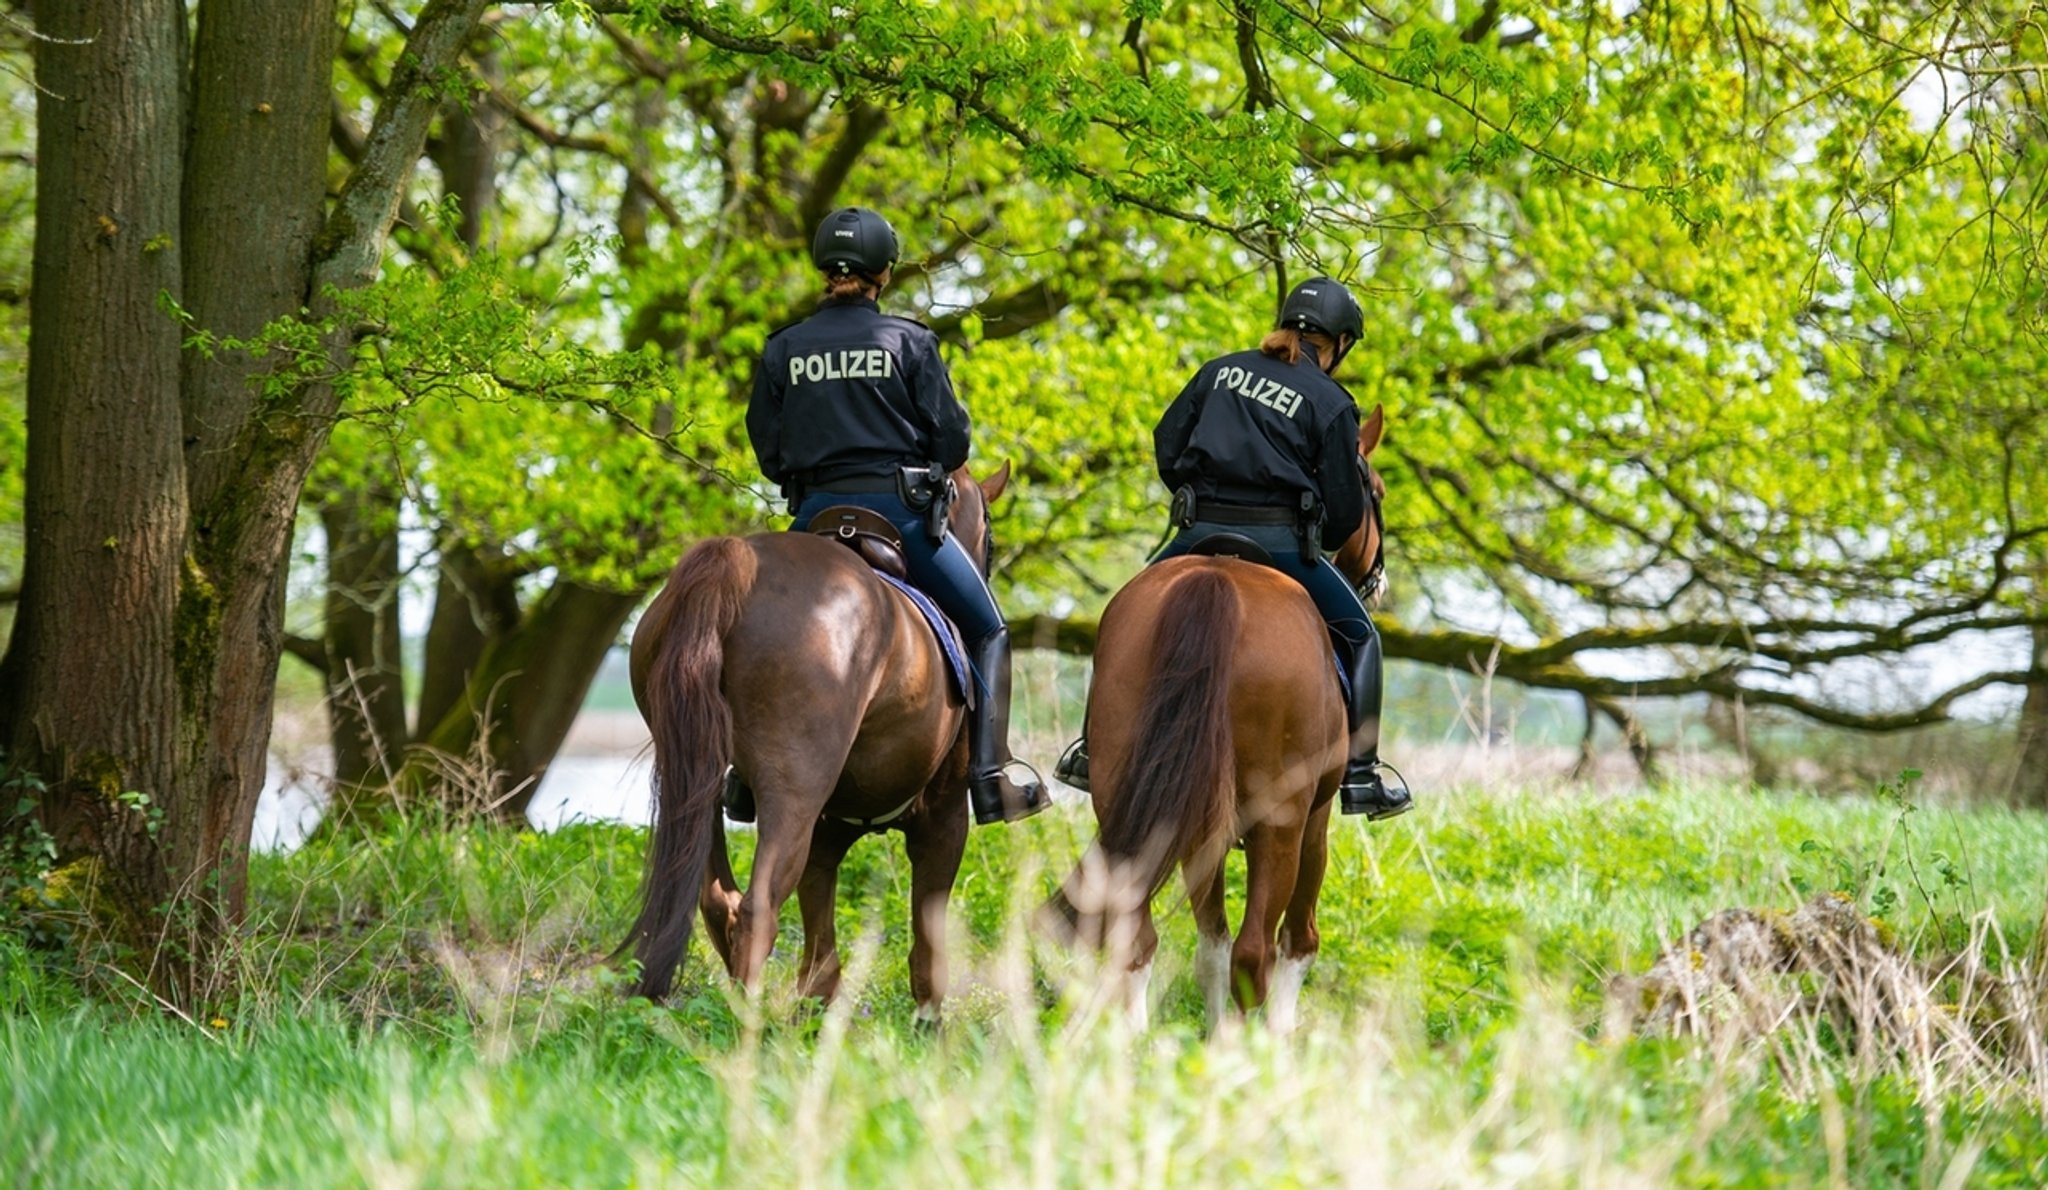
(864, 121)
(1258, 85)
(1526, 354)
(603, 146)
(310, 650)
(350, 247)
(1134, 37)
(640, 56)
(1482, 23)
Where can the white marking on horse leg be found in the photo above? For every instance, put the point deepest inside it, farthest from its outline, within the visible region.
(1212, 972)
(926, 1014)
(1283, 993)
(1137, 1007)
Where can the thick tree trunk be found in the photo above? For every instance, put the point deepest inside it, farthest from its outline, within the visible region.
(2030, 780)
(255, 173)
(90, 690)
(473, 606)
(527, 689)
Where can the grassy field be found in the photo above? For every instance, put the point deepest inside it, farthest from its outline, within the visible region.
(421, 1009)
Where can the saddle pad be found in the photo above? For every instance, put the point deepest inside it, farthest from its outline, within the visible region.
(949, 639)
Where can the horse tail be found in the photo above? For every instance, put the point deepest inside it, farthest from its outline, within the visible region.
(692, 728)
(1177, 793)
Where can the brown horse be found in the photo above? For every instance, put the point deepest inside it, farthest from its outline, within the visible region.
(1214, 715)
(785, 656)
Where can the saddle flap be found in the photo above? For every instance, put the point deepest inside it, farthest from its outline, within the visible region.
(867, 533)
(1232, 545)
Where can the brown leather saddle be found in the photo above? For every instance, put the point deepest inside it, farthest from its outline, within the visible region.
(1232, 545)
(867, 533)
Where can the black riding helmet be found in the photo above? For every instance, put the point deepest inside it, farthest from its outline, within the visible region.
(1322, 304)
(854, 240)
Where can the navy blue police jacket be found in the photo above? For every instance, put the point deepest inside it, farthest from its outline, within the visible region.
(1253, 430)
(851, 391)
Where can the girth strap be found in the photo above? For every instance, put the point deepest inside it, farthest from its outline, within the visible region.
(880, 819)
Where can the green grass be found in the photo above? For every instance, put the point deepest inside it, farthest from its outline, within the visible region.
(420, 1009)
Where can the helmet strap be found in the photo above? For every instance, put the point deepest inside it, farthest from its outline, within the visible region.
(1340, 346)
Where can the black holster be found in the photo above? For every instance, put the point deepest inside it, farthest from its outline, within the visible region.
(929, 490)
(1182, 511)
(1308, 526)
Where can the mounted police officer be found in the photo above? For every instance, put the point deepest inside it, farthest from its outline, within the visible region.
(854, 406)
(1264, 444)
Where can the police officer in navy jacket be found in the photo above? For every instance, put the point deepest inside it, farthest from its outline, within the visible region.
(1264, 444)
(844, 402)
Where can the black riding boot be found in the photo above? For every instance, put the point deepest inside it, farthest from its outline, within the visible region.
(990, 791)
(1365, 791)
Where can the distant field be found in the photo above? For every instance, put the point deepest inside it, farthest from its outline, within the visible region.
(419, 1010)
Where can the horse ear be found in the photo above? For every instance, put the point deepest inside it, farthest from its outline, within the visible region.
(995, 483)
(1371, 430)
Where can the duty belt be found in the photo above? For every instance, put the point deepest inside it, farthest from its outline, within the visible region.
(1306, 521)
(855, 485)
(1217, 513)
(1188, 508)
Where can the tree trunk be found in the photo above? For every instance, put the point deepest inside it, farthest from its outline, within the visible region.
(255, 182)
(467, 151)
(2030, 779)
(473, 606)
(527, 689)
(365, 680)
(90, 690)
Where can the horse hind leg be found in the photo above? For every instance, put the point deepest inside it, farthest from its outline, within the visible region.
(935, 842)
(1272, 864)
(1212, 941)
(780, 854)
(719, 900)
(1299, 937)
(1137, 951)
(817, 894)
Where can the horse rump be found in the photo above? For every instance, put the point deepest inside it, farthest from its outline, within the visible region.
(691, 724)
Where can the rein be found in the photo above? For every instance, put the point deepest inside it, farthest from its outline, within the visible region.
(1374, 580)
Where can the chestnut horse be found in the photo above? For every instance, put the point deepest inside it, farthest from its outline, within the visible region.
(784, 655)
(1214, 715)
